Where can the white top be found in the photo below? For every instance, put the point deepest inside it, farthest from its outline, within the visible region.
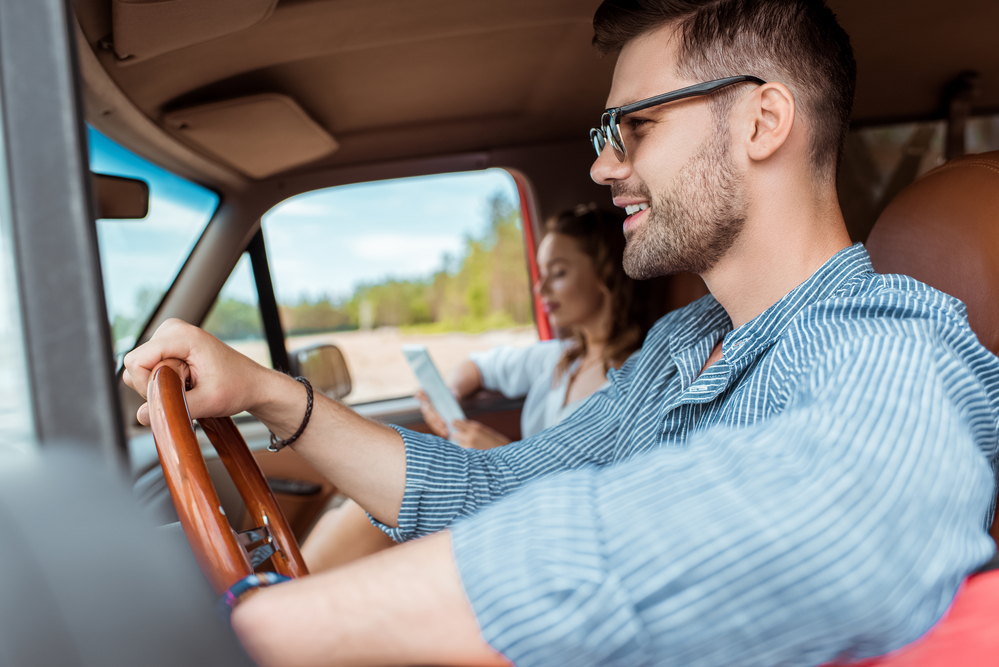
(528, 372)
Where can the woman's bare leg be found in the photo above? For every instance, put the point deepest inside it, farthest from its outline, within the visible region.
(340, 536)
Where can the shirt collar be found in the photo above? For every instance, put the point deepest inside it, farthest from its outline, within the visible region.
(709, 320)
(831, 277)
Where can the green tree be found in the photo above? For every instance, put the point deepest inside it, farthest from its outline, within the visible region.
(314, 316)
(231, 319)
(484, 286)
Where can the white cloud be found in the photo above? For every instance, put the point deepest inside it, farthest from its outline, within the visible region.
(404, 253)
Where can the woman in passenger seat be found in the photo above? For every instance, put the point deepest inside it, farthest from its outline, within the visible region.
(592, 304)
(600, 315)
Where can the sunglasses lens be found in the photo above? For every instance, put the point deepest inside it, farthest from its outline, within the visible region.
(597, 137)
(609, 131)
(617, 141)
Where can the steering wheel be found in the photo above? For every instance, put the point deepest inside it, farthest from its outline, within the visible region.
(224, 555)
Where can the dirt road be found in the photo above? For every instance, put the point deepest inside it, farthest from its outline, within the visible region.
(378, 369)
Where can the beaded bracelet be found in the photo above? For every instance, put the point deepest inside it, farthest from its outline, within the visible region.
(246, 584)
(276, 443)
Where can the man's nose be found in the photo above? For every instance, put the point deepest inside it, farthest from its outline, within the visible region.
(607, 168)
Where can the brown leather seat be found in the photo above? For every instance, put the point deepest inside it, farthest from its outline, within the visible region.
(944, 231)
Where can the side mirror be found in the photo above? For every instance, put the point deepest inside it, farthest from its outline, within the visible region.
(325, 368)
(120, 198)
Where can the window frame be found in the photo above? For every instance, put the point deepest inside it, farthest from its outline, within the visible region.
(532, 238)
(67, 335)
(274, 333)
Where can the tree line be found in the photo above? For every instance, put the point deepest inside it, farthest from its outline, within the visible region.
(485, 287)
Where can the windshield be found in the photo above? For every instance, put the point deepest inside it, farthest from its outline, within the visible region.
(140, 258)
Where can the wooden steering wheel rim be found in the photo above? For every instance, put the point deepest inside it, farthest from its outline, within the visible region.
(218, 551)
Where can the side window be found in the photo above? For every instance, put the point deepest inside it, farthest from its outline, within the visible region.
(434, 260)
(879, 161)
(140, 258)
(235, 316)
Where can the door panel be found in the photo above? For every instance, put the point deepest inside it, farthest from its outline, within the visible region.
(492, 409)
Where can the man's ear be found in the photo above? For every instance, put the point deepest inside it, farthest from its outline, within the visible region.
(772, 115)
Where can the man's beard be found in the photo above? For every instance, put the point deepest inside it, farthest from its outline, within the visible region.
(692, 224)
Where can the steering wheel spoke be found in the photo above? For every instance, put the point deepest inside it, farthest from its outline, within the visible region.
(259, 544)
(250, 537)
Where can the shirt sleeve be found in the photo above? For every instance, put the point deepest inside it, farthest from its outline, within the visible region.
(841, 528)
(445, 481)
(512, 370)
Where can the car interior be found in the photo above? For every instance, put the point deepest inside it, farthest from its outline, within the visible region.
(259, 101)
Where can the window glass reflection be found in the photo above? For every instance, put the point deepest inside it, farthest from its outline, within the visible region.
(879, 161)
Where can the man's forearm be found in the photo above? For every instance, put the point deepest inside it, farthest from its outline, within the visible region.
(402, 606)
(365, 460)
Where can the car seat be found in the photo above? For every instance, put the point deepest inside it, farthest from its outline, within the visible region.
(944, 231)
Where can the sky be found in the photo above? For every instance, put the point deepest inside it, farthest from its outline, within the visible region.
(319, 244)
(326, 242)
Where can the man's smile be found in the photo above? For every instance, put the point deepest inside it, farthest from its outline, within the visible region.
(636, 213)
(633, 220)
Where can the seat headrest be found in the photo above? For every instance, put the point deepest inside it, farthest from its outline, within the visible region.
(944, 231)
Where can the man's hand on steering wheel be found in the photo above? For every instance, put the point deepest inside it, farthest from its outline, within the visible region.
(364, 459)
(220, 381)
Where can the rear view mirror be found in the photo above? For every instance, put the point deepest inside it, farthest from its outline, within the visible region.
(120, 198)
(325, 368)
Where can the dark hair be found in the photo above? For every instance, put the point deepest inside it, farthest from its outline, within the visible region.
(795, 42)
(599, 235)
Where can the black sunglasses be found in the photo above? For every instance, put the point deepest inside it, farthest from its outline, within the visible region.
(610, 131)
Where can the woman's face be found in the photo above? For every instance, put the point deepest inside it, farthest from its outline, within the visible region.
(569, 288)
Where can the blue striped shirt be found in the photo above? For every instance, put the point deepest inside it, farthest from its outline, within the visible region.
(818, 493)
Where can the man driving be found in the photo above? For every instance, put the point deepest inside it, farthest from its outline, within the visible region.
(796, 468)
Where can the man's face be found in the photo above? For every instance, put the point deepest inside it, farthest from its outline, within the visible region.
(679, 165)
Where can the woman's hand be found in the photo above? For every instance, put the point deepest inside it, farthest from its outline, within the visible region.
(430, 416)
(475, 435)
(221, 381)
(465, 381)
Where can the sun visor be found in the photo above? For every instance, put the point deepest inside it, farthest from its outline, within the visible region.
(147, 28)
(260, 135)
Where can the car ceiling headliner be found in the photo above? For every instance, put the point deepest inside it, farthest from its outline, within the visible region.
(395, 79)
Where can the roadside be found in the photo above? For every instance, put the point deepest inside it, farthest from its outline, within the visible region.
(378, 369)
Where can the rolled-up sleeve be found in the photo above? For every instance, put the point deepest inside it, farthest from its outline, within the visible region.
(445, 481)
(840, 528)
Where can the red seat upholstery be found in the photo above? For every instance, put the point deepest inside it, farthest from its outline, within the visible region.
(944, 231)
(967, 635)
